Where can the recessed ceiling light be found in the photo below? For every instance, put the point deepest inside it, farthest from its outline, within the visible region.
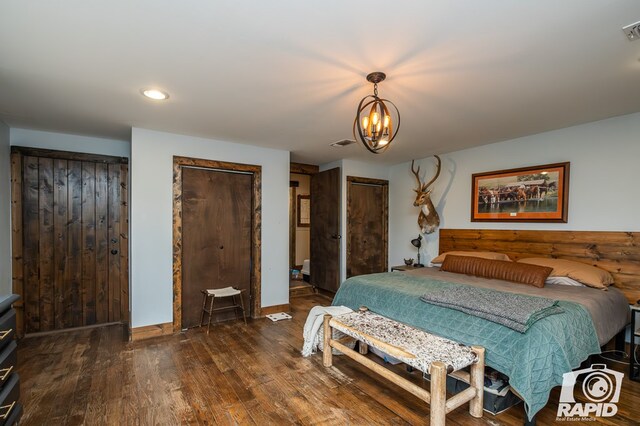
(155, 94)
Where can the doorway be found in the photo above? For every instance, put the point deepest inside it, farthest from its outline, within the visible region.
(217, 216)
(70, 239)
(300, 228)
(367, 225)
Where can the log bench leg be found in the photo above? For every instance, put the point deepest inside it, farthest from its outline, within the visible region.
(363, 348)
(476, 405)
(438, 410)
(327, 353)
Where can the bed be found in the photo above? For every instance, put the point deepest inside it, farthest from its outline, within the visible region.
(534, 360)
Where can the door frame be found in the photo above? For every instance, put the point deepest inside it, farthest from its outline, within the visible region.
(292, 222)
(385, 213)
(17, 266)
(256, 226)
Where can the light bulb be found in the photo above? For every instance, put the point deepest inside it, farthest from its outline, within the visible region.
(375, 118)
(365, 122)
(386, 121)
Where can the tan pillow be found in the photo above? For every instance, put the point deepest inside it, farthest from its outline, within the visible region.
(483, 254)
(586, 274)
(497, 269)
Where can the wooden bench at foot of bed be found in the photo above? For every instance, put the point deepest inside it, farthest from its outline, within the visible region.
(426, 352)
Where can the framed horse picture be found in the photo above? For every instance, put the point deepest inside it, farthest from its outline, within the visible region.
(528, 194)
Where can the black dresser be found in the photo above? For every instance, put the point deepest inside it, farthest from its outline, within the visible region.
(10, 407)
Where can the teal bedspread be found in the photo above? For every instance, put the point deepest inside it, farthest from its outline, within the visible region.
(534, 361)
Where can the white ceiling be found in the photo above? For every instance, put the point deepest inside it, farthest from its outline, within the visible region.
(289, 74)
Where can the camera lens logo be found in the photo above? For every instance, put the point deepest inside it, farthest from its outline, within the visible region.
(600, 386)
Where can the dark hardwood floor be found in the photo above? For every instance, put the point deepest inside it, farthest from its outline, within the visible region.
(236, 375)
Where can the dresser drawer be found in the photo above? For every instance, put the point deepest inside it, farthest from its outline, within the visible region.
(8, 361)
(9, 396)
(7, 327)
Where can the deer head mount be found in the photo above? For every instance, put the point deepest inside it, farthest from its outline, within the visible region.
(428, 219)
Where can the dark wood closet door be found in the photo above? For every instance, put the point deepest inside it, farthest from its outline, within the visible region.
(367, 208)
(325, 230)
(216, 238)
(71, 260)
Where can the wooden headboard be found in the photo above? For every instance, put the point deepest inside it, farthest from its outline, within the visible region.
(616, 252)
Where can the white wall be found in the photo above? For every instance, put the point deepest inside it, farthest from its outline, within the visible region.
(151, 217)
(604, 177)
(5, 211)
(68, 142)
(358, 169)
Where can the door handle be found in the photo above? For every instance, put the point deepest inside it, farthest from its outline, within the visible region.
(114, 251)
(336, 236)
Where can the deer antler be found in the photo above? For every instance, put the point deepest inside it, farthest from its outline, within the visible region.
(417, 175)
(426, 185)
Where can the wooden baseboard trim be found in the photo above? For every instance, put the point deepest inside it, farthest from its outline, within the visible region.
(149, 331)
(70, 329)
(267, 310)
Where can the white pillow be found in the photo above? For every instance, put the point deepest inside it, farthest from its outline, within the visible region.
(564, 281)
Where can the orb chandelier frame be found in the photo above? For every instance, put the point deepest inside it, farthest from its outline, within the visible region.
(376, 128)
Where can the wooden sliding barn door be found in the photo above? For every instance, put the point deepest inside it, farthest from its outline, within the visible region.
(367, 217)
(70, 239)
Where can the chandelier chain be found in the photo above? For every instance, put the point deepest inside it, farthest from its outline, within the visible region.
(375, 89)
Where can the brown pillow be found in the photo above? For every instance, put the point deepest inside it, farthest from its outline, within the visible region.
(482, 254)
(586, 274)
(497, 269)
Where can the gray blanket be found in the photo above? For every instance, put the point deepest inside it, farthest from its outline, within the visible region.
(516, 311)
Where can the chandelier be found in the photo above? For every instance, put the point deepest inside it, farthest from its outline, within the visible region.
(374, 124)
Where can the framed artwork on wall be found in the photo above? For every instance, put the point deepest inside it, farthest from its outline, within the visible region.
(528, 194)
(304, 210)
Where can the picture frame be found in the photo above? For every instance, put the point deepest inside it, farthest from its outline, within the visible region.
(304, 211)
(526, 194)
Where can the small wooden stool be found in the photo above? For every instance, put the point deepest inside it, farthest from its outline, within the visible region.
(221, 293)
